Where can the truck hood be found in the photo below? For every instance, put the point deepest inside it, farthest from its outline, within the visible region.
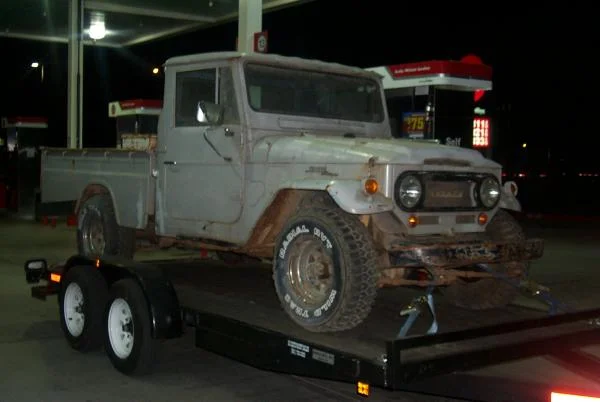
(336, 149)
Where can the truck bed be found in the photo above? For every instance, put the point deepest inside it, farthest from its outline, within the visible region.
(246, 293)
(65, 174)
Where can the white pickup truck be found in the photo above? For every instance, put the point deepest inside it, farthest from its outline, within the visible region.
(292, 161)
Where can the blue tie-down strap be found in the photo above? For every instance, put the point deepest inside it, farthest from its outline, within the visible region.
(414, 309)
(533, 289)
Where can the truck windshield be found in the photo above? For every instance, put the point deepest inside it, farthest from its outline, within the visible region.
(310, 93)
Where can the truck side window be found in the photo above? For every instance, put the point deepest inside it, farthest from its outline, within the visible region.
(192, 87)
(227, 96)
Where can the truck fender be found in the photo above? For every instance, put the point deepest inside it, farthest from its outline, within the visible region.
(163, 304)
(348, 195)
(508, 197)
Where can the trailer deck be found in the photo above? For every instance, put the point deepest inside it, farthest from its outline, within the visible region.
(236, 313)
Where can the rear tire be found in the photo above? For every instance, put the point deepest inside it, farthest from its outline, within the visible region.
(325, 270)
(82, 298)
(127, 328)
(491, 293)
(98, 234)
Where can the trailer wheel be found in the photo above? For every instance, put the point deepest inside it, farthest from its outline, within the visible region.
(82, 298)
(98, 233)
(491, 293)
(325, 270)
(128, 339)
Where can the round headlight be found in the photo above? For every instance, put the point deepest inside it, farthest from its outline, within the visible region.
(489, 192)
(409, 191)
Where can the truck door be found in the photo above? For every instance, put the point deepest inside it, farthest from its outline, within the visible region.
(201, 165)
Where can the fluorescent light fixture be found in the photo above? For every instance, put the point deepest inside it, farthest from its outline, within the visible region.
(97, 26)
(35, 64)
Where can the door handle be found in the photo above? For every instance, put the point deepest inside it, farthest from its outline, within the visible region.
(170, 163)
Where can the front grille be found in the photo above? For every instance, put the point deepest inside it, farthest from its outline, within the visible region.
(448, 194)
(443, 191)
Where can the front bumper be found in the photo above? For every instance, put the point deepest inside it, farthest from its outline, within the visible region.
(452, 255)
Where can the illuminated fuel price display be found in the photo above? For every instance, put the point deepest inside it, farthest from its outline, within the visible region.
(413, 124)
(481, 132)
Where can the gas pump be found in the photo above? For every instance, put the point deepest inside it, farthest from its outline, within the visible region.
(20, 140)
(438, 101)
(136, 123)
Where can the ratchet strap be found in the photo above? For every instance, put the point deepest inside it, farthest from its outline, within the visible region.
(414, 310)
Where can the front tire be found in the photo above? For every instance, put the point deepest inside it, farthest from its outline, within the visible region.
(98, 234)
(491, 293)
(82, 298)
(128, 339)
(325, 270)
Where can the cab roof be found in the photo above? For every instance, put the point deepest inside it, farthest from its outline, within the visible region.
(272, 59)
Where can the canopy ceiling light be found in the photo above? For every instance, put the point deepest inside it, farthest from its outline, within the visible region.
(97, 27)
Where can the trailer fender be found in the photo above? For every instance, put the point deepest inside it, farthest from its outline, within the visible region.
(163, 304)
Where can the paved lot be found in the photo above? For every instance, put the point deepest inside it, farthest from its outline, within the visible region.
(37, 365)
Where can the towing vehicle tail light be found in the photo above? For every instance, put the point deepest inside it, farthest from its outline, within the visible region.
(560, 397)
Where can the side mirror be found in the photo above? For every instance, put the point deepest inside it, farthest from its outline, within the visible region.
(511, 188)
(35, 270)
(210, 113)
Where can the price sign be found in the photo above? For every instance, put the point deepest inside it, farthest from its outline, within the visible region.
(413, 124)
(481, 132)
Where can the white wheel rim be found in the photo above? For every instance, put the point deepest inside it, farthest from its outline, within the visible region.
(120, 328)
(73, 309)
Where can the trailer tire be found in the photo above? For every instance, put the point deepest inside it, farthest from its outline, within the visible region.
(128, 339)
(82, 297)
(489, 293)
(99, 234)
(325, 270)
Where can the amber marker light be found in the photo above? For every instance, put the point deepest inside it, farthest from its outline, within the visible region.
(363, 389)
(482, 218)
(371, 186)
(413, 221)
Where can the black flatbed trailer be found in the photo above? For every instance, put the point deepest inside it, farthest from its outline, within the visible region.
(234, 312)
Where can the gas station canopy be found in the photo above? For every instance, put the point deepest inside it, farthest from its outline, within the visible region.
(126, 22)
(119, 23)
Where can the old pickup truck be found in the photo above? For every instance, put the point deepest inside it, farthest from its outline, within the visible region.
(292, 161)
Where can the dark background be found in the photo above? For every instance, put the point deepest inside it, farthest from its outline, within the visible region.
(544, 94)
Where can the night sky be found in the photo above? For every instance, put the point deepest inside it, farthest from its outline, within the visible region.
(542, 61)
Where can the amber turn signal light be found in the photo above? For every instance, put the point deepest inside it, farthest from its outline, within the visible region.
(413, 221)
(482, 218)
(371, 186)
